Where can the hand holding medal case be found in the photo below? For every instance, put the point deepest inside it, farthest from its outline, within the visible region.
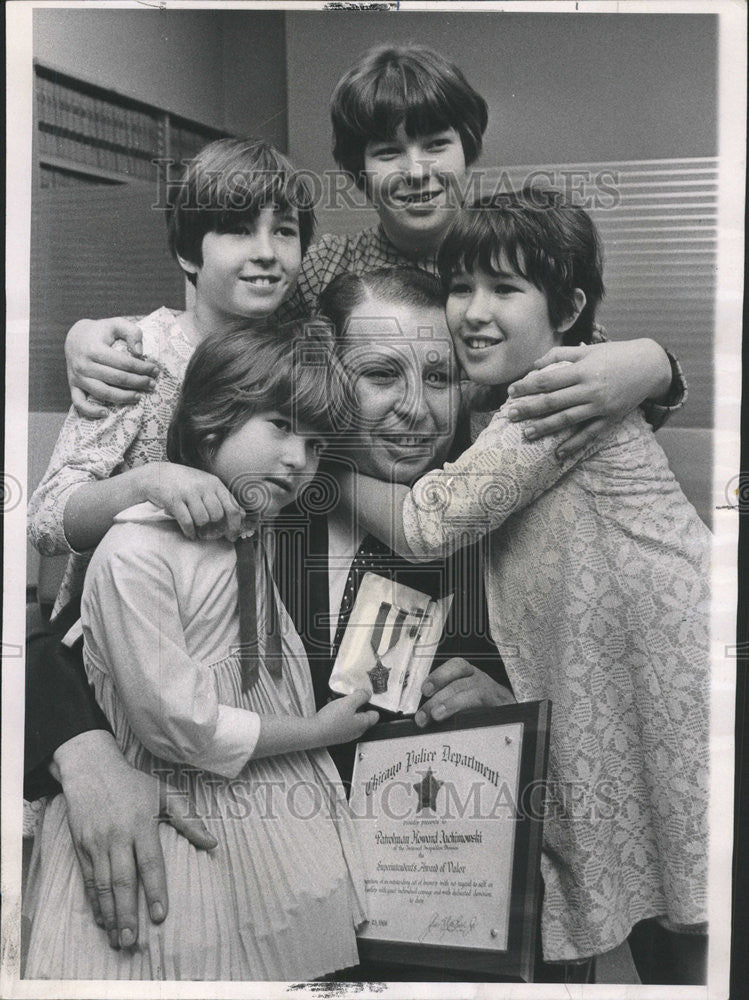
(389, 644)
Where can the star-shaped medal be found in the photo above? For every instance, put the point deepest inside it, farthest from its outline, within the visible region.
(379, 677)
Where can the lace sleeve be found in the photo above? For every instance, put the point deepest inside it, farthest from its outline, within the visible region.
(498, 475)
(86, 451)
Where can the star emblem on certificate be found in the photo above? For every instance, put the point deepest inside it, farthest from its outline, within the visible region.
(427, 789)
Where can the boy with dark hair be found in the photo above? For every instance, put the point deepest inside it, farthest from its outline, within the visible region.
(240, 221)
(225, 188)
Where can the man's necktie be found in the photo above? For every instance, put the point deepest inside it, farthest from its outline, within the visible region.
(372, 556)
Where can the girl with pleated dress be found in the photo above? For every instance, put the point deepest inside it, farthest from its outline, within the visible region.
(204, 680)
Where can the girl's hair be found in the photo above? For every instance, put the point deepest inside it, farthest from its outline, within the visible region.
(410, 85)
(551, 243)
(400, 286)
(290, 368)
(226, 185)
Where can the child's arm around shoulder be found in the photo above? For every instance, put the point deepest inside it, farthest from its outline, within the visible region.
(601, 383)
(85, 484)
(86, 452)
(98, 370)
(451, 507)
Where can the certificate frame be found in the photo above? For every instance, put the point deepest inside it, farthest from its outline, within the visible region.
(516, 961)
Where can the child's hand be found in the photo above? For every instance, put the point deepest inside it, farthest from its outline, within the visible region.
(97, 369)
(198, 500)
(602, 384)
(340, 722)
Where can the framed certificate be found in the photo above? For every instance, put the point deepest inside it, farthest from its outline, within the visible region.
(450, 821)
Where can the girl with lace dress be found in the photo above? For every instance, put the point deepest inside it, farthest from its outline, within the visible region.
(207, 682)
(597, 571)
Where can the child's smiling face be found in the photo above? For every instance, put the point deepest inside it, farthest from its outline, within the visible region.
(248, 272)
(409, 183)
(500, 323)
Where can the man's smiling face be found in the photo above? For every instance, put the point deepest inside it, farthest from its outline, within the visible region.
(405, 379)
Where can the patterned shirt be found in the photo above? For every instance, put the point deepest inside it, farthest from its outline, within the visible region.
(333, 255)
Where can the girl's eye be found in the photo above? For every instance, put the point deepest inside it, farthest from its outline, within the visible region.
(460, 288)
(238, 230)
(282, 423)
(288, 230)
(505, 289)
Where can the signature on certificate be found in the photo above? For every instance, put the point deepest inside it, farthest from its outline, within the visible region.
(443, 924)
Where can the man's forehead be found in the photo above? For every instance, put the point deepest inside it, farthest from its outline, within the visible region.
(406, 354)
(397, 322)
(389, 330)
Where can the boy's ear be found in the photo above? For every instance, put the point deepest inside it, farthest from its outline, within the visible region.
(579, 298)
(187, 265)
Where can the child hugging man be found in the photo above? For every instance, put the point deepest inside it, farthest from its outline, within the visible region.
(407, 125)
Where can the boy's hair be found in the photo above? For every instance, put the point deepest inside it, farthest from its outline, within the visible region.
(226, 185)
(289, 367)
(407, 84)
(551, 243)
(400, 286)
